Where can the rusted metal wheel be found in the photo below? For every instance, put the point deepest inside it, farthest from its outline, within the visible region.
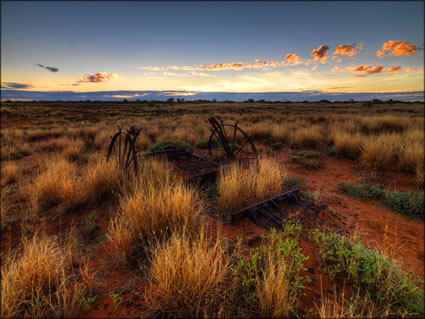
(230, 141)
(122, 150)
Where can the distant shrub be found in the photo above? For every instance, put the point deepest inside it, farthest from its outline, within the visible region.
(168, 145)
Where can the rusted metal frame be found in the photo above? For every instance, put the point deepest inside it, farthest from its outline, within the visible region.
(234, 137)
(238, 215)
(218, 129)
(256, 219)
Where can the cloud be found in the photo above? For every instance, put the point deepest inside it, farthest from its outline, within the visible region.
(48, 68)
(314, 68)
(408, 70)
(219, 66)
(99, 77)
(14, 85)
(396, 48)
(293, 59)
(367, 70)
(127, 96)
(178, 93)
(346, 50)
(421, 70)
(320, 54)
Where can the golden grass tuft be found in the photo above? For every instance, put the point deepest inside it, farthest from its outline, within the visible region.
(307, 137)
(187, 277)
(102, 179)
(377, 151)
(275, 297)
(153, 208)
(38, 284)
(241, 186)
(73, 150)
(58, 184)
(10, 174)
(347, 144)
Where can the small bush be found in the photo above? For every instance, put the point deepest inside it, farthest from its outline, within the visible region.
(168, 145)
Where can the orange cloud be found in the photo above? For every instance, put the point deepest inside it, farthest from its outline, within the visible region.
(347, 50)
(408, 70)
(293, 59)
(421, 70)
(367, 70)
(99, 77)
(320, 54)
(396, 48)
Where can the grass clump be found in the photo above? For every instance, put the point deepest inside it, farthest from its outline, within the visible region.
(388, 289)
(39, 283)
(168, 145)
(57, 184)
(240, 186)
(156, 207)
(188, 277)
(10, 174)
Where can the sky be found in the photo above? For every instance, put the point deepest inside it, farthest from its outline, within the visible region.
(189, 47)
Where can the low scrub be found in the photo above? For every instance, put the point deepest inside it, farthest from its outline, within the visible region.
(347, 145)
(388, 289)
(240, 186)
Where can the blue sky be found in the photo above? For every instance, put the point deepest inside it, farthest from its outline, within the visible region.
(104, 46)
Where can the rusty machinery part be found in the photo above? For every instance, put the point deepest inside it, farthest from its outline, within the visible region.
(275, 215)
(122, 148)
(175, 153)
(231, 141)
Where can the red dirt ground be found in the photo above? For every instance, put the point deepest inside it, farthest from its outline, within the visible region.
(369, 217)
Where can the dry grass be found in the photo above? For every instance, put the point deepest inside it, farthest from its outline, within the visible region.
(10, 174)
(187, 277)
(157, 206)
(58, 184)
(73, 150)
(347, 144)
(102, 179)
(38, 284)
(310, 137)
(241, 186)
(275, 298)
(377, 151)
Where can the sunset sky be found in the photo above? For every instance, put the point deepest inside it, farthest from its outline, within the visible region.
(213, 46)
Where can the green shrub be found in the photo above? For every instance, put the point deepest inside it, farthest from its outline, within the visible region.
(369, 273)
(408, 203)
(361, 191)
(168, 145)
(203, 144)
(330, 151)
